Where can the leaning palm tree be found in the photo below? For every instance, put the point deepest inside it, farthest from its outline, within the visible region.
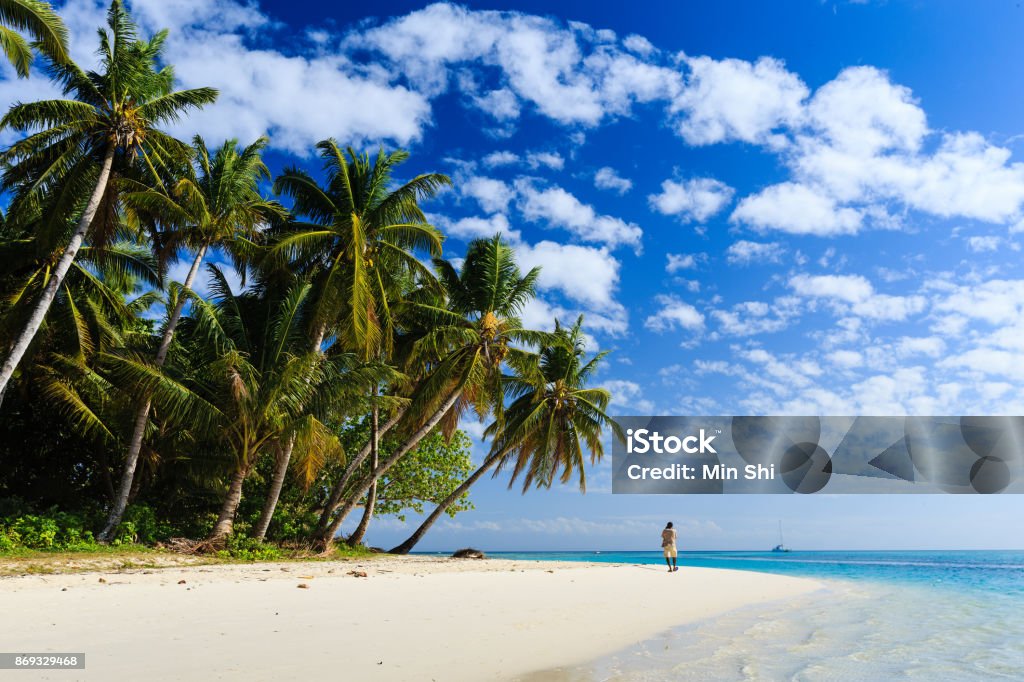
(111, 115)
(357, 248)
(216, 205)
(553, 419)
(38, 20)
(90, 318)
(467, 342)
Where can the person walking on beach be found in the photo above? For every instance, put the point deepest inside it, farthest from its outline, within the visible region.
(668, 545)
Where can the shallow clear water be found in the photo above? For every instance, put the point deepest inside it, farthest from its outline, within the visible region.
(883, 616)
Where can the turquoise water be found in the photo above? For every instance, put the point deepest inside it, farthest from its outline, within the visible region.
(918, 615)
(1000, 572)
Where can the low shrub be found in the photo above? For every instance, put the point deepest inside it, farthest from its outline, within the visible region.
(249, 549)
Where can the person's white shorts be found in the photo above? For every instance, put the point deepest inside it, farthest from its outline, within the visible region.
(670, 551)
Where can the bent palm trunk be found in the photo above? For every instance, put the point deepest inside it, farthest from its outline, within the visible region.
(142, 414)
(334, 501)
(326, 540)
(418, 534)
(281, 467)
(226, 519)
(284, 456)
(57, 278)
(371, 497)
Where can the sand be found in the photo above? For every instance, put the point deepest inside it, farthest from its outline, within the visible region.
(411, 618)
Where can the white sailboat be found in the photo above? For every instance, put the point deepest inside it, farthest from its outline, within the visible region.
(781, 547)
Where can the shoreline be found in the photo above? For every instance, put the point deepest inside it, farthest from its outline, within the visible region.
(415, 617)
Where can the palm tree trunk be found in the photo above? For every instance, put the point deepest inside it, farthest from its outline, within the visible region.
(325, 541)
(334, 501)
(226, 520)
(142, 414)
(57, 278)
(371, 496)
(281, 465)
(284, 456)
(418, 534)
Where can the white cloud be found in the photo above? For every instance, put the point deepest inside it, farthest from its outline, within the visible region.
(492, 195)
(796, 209)
(746, 252)
(681, 261)
(980, 244)
(733, 99)
(551, 160)
(997, 301)
(931, 346)
(638, 44)
(855, 294)
(500, 158)
(608, 178)
(571, 74)
(592, 279)
(674, 314)
(846, 359)
(695, 199)
(473, 227)
(757, 317)
(559, 208)
(628, 394)
(501, 104)
(862, 111)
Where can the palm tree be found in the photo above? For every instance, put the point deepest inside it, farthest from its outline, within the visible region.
(360, 239)
(467, 342)
(269, 386)
(113, 113)
(90, 317)
(38, 20)
(553, 418)
(358, 248)
(214, 206)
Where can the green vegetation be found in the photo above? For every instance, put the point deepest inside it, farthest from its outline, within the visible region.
(247, 419)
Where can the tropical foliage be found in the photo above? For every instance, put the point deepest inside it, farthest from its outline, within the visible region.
(318, 355)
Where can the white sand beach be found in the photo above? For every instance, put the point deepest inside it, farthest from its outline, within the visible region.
(410, 618)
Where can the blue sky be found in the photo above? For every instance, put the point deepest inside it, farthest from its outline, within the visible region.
(804, 207)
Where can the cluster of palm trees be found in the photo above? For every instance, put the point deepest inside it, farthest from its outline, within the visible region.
(346, 311)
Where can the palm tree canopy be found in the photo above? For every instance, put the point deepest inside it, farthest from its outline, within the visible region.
(216, 201)
(118, 108)
(361, 238)
(554, 417)
(38, 20)
(474, 330)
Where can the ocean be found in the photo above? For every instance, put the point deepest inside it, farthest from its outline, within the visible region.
(912, 615)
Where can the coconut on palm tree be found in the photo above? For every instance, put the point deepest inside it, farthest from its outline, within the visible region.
(64, 168)
(38, 19)
(553, 420)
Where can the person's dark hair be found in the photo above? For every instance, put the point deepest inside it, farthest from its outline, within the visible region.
(669, 525)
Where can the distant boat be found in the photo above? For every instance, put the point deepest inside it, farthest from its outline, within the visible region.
(781, 547)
